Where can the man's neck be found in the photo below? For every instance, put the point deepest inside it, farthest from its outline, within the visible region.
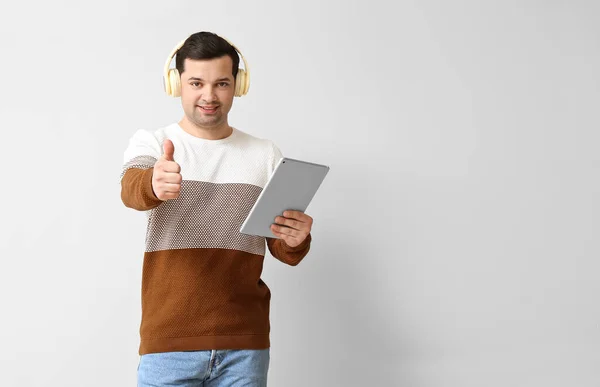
(210, 133)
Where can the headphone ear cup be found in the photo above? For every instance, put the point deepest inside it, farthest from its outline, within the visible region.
(174, 81)
(241, 83)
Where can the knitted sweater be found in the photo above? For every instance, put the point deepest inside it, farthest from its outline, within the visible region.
(201, 285)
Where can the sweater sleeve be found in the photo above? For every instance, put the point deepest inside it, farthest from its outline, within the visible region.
(136, 174)
(136, 189)
(286, 254)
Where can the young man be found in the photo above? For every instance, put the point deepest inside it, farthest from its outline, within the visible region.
(205, 309)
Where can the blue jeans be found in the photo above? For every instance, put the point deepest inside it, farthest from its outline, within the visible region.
(231, 368)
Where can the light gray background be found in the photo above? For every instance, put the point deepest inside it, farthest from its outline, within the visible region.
(455, 237)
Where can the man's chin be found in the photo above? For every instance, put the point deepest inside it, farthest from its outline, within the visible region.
(207, 123)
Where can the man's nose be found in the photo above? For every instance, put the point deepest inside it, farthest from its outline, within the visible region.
(209, 94)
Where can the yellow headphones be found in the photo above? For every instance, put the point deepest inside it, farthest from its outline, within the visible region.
(172, 78)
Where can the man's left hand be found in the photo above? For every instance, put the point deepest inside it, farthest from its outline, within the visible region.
(293, 227)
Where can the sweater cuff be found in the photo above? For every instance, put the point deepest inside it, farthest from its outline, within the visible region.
(147, 191)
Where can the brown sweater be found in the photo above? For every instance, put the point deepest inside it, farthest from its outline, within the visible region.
(201, 285)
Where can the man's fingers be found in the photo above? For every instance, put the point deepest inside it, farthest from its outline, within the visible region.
(170, 166)
(170, 187)
(169, 177)
(285, 230)
(292, 223)
(280, 234)
(289, 240)
(168, 150)
(298, 215)
(169, 195)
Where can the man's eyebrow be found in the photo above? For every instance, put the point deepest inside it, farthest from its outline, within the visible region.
(202, 80)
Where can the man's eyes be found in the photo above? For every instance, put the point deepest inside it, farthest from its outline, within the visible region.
(221, 84)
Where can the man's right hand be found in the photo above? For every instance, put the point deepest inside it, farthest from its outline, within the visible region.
(166, 177)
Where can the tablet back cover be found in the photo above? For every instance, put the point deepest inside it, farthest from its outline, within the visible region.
(292, 186)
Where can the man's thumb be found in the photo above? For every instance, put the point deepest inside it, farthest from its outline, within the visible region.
(168, 149)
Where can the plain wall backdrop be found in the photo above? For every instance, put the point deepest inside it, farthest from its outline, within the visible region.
(455, 237)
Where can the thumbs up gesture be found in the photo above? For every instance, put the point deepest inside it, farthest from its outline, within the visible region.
(166, 177)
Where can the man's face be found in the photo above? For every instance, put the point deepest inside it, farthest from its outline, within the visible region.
(207, 89)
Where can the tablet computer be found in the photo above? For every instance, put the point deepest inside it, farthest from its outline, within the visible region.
(291, 186)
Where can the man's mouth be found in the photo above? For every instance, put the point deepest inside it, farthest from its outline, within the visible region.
(209, 108)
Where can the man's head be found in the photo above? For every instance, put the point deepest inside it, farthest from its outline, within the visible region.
(208, 65)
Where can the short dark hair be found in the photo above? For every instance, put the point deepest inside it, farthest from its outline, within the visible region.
(206, 45)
